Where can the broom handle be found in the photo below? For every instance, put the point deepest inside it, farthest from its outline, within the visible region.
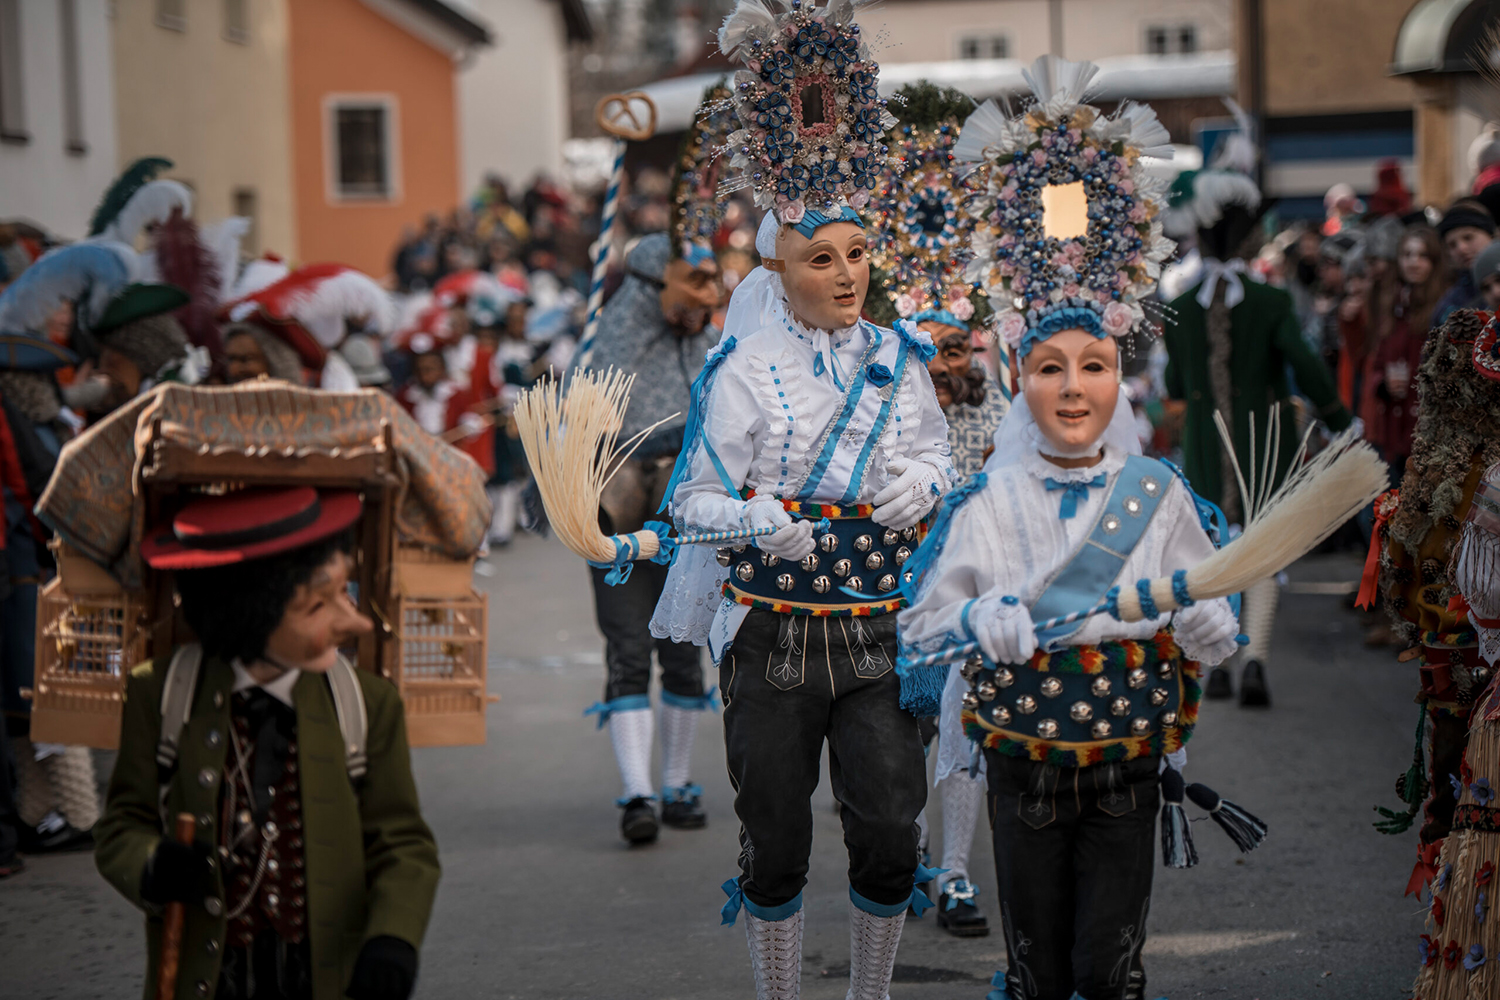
(171, 923)
(968, 649)
(715, 537)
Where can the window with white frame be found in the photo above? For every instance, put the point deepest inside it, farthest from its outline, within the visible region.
(984, 47)
(362, 141)
(1174, 39)
(12, 96)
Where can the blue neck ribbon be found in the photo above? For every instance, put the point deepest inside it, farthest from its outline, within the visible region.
(1074, 492)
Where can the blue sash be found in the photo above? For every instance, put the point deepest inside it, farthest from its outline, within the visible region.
(1087, 577)
(828, 444)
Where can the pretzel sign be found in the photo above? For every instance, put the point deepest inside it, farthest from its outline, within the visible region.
(620, 115)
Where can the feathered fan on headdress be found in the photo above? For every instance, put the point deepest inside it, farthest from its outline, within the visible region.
(1199, 198)
(697, 210)
(1095, 267)
(813, 119)
(89, 274)
(136, 201)
(309, 308)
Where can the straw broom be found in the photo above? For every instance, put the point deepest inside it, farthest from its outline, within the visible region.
(1307, 508)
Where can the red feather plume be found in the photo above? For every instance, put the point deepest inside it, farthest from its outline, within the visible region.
(183, 260)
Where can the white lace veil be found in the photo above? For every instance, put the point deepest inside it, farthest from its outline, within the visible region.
(1018, 433)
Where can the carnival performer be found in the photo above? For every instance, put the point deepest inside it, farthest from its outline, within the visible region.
(920, 257)
(1228, 352)
(805, 412)
(314, 872)
(657, 327)
(1075, 723)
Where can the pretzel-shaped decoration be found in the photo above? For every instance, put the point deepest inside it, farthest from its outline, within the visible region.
(617, 115)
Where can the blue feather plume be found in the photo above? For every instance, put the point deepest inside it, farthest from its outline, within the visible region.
(88, 274)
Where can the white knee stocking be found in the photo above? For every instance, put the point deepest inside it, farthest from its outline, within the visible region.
(678, 727)
(775, 956)
(872, 953)
(1258, 617)
(630, 732)
(963, 797)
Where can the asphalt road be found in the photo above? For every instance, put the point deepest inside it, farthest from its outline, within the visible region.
(541, 899)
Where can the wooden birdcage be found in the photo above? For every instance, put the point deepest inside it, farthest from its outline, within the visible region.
(439, 627)
(85, 646)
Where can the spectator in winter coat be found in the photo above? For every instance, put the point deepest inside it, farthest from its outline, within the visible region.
(1466, 228)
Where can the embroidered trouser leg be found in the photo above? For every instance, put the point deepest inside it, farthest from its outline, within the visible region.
(624, 616)
(1074, 857)
(790, 682)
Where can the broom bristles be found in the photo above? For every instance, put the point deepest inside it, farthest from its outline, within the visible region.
(1311, 505)
(569, 439)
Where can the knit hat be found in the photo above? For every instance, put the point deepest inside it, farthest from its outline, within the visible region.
(1391, 196)
(1466, 212)
(151, 343)
(1484, 151)
(1487, 264)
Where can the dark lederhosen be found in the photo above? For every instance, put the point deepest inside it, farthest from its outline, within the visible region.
(266, 955)
(810, 664)
(624, 610)
(1073, 742)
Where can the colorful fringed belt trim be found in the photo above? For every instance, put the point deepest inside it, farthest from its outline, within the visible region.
(1087, 705)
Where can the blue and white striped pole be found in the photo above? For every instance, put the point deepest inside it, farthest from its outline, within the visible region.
(714, 537)
(601, 257)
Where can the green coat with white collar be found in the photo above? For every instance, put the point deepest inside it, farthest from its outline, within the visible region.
(372, 865)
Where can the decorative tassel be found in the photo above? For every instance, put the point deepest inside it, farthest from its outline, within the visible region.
(1247, 831)
(1177, 850)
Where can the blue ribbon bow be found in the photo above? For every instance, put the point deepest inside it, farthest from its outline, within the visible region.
(919, 902)
(1074, 493)
(731, 909)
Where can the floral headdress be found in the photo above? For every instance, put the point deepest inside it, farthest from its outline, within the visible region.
(920, 244)
(697, 211)
(1097, 279)
(812, 146)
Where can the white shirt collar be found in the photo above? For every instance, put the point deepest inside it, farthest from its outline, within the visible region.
(280, 688)
(1038, 466)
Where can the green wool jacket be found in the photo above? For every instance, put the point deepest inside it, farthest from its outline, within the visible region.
(1265, 339)
(372, 864)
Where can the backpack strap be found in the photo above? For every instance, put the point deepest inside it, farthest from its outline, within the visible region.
(177, 702)
(349, 705)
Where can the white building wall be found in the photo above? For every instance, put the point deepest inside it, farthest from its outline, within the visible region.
(513, 95)
(40, 180)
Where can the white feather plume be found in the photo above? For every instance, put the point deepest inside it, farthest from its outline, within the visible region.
(263, 272)
(750, 19)
(1237, 150)
(986, 130)
(322, 308)
(223, 240)
(1059, 84)
(152, 204)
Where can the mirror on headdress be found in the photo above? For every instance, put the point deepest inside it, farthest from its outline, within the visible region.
(930, 211)
(812, 105)
(1065, 211)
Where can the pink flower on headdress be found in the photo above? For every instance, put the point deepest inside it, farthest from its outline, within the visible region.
(1138, 212)
(859, 199)
(1070, 290)
(1126, 186)
(1008, 193)
(1117, 320)
(1075, 135)
(1038, 157)
(1090, 154)
(793, 211)
(1008, 240)
(1011, 328)
(905, 305)
(961, 308)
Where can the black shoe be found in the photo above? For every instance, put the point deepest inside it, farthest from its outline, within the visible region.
(1253, 690)
(1219, 685)
(14, 866)
(638, 822)
(66, 839)
(681, 810)
(956, 912)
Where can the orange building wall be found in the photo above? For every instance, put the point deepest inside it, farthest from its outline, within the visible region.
(344, 47)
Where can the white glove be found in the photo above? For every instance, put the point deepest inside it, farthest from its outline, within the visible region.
(1004, 628)
(907, 500)
(1206, 631)
(792, 541)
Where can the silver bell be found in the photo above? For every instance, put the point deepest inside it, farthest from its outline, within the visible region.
(1101, 729)
(1139, 726)
(828, 543)
(1001, 715)
(1081, 711)
(874, 560)
(821, 585)
(970, 700)
(1004, 678)
(786, 581)
(902, 554)
(737, 548)
(891, 537)
(809, 563)
(886, 584)
(855, 583)
(864, 543)
(1169, 718)
(1047, 729)
(745, 572)
(1120, 706)
(971, 668)
(987, 690)
(1137, 678)
(1100, 687)
(1159, 696)
(910, 534)
(1164, 669)
(1026, 704)
(766, 559)
(723, 557)
(1051, 687)
(843, 568)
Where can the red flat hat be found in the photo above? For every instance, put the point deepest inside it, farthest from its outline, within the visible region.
(249, 524)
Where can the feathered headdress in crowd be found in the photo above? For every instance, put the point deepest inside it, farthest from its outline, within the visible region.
(697, 209)
(183, 260)
(1066, 234)
(920, 240)
(311, 307)
(136, 200)
(1199, 198)
(812, 141)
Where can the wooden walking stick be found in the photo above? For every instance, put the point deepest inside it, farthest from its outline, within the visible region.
(171, 923)
(617, 115)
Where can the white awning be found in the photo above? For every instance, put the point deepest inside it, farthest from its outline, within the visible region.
(1143, 78)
